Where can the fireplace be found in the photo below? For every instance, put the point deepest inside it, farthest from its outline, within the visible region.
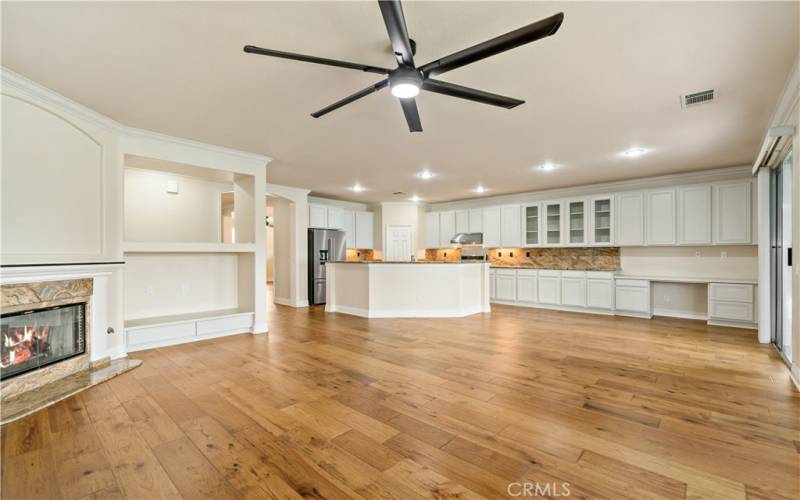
(32, 339)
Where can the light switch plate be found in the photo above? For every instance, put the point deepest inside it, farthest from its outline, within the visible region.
(172, 187)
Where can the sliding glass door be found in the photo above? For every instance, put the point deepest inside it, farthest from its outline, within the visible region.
(781, 256)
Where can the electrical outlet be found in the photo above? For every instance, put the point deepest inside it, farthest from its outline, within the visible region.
(511, 254)
(724, 254)
(149, 290)
(667, 299)
(185, 289)
(697, 254)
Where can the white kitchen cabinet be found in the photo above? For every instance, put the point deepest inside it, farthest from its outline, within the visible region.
(506, 284)
(462, 221)
(335, 217)
(510, 226)
(629, 218)
(552, 212)
(632, 296)
(601, 220)
(475, 220)
(317, 216)
(492, 284)
(600, 290)
(447, 228)
(573, 288)
(432, 230)
(694, 215)
(575, 220)
(349, 228)
(532, 225)
(731, 304)
(491, 227)
(732, 213)
(659, 224)
(526, 286)
(549, 285)
(365, 230)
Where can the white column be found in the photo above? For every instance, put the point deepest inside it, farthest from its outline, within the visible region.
(764, 249)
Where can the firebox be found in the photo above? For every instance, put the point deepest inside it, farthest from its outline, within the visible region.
(37, 338)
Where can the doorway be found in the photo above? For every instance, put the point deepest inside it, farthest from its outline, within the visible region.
(398, 243)
(781, 203)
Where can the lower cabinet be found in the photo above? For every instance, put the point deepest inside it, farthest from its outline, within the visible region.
(526, 286)
(632, 296)
(550, 287)
(573, 288)
(731, 304)
(599, 290)
(506, 284)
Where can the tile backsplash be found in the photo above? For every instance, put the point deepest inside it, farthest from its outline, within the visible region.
(443, 254)
(579, 259)
(354, 254)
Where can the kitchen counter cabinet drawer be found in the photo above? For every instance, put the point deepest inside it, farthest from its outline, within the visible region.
(573, 274)
(527, 272)
(730, 292)
(505, 272)
(549, 273)
(600, 275)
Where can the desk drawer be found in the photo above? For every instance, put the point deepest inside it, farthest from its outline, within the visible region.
(733, 311)
(730, 292)
(633, 283)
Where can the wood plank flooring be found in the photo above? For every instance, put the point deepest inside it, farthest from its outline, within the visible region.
(334, 406)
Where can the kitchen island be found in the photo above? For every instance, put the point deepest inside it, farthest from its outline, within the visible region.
(422, 289)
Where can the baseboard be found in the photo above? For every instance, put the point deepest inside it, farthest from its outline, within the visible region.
(555, 307)
(733, 324)
(677, 313)
(794, 374)
(259, 328)
(117, 352)
(366, 313)
(289, 302)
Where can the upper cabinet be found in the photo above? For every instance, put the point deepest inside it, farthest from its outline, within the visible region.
(365, 230)
(552, 212)
(510, 226)
(462, 221)
(601, 221)
(432, 230)
(576, 218)
(447, 228)
(491, 227)
(475, 220)
(349, 228)
(660, 227)
(629, 218)
(732, 213)
(694, 215)
(325, 217)
(532, 225)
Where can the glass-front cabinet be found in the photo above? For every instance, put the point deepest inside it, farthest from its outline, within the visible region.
(552, 223)
(532, 221)
(576, 218)
(602, 226)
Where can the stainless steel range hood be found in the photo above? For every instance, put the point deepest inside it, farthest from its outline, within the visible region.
(467, 239)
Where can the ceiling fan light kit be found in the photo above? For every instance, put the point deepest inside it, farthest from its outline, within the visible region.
(407, 79)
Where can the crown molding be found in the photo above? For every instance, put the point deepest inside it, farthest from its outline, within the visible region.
(696, 177)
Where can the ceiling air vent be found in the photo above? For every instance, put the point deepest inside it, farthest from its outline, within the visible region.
(697, 98)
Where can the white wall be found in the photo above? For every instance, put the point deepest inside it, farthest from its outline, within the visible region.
(167, 284)
(741, 261)
(152, 214)
(270, 247)
(282, 266)
(297, 238)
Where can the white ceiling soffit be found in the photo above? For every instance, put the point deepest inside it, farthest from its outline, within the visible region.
(609, 80)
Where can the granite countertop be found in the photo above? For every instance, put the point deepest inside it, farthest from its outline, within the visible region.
(553, 268)
(398, 262)
(686, 279)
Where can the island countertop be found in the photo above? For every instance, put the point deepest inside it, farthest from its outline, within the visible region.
(401, 262)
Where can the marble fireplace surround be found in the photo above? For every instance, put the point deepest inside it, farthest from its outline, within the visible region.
(25, 296)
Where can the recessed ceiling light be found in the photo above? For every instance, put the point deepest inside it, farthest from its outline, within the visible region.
(547, 166)
(634, 152)
(425, 174)
(357, 188)
(479, 189)
(415, 199)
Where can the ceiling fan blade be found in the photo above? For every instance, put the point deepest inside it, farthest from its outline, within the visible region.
(526, 34)
(453, 90)
(412, 114)
(392, 11)
(347, 100)
(250, 49)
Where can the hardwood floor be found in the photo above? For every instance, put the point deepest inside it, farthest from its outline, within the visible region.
(334, 406)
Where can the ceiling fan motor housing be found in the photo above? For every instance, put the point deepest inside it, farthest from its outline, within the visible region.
(405, 75)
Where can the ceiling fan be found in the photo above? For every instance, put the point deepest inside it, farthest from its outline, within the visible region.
(407, 79)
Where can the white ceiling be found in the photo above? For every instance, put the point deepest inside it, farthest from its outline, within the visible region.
(609, 80)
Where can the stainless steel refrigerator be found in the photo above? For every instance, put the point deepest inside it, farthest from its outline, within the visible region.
(324, 245)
